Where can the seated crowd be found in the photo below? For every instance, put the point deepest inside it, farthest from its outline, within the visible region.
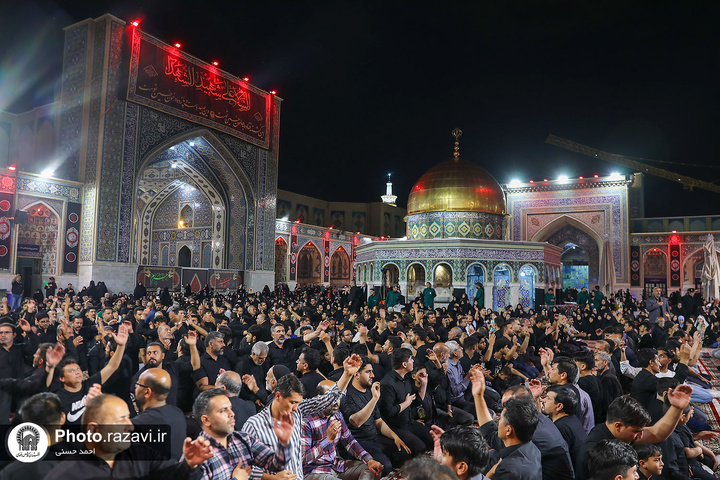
(323, 383)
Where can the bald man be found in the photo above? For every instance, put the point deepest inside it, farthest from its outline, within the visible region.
(439, 387)
(232, 384)
(151, 392)
(108, 416)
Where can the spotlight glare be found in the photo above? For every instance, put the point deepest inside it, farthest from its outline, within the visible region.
(178, 45)
(48, 172)
(247, 79)
(12, 168)
(563, 178)
(216, 63)
(515, 183)
(273, 92)
(192, 144)
(173, 165)
(135, 23)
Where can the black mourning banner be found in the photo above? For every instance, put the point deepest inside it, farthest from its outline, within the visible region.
(164, 78)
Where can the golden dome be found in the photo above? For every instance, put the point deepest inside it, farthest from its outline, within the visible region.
(456, 186)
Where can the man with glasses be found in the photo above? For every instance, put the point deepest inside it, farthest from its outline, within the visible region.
(151, 393)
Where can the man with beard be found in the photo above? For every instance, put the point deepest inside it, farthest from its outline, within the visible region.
(359, 407)
(212, 361)
(321, 432)
(151, 393)
(155, 358)
(108, 415)
(656, 305)
(282, 349)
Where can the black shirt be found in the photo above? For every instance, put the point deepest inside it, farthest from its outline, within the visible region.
(354, 401)
(73, 403)
(138, 461)
(597, 434)
(393, 390)
(285, 354)
(166, 415)
(310, 381)
(574, 434)
(210, 368)
(519, 462)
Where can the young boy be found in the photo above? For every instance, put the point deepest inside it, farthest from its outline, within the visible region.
(649, 460)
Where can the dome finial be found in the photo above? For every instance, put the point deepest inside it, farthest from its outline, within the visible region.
(457, 133)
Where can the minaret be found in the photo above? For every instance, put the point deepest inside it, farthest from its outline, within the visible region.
(389, 198)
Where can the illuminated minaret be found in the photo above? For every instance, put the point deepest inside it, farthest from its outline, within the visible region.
(389, 198)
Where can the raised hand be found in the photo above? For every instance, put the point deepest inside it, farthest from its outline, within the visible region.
(24, 324)
(436, 432)
(196, 451)
(375, 390)
(93, 392)
(122, 336)
(536, 388)
(352, 364)
(54, 355)
(284, 427)
(478, 383)
(78, 340)
(680, 396)
(191, 338)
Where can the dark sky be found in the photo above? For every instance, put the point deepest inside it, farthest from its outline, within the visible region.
(376, 87)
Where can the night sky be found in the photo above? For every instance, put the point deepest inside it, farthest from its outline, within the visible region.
(376, 87)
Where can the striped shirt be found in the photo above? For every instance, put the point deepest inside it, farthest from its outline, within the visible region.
(320, 455)
(260, 426)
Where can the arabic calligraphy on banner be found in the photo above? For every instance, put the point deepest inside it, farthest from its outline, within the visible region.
(166, 79)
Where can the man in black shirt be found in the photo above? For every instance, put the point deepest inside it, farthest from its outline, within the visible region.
(74, 390)
(107, 413)
(515, 456)
(151, 393)
(359, 407)
(282, 349)
(307, 367)
(559, 402)
(212, 361)
(628, 422)
(395, 399)
(644, 386)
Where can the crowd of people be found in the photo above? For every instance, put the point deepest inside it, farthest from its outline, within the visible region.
(324, 383)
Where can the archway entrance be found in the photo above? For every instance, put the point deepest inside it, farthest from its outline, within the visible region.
(415, 280)
(181, 201)
(475, 275)
(655, 271)
(184, 257)
(527, 287)
(567, 231)
(575, 269)
(281, 249)
(501, 287)
(309, 265)
(340, 267)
